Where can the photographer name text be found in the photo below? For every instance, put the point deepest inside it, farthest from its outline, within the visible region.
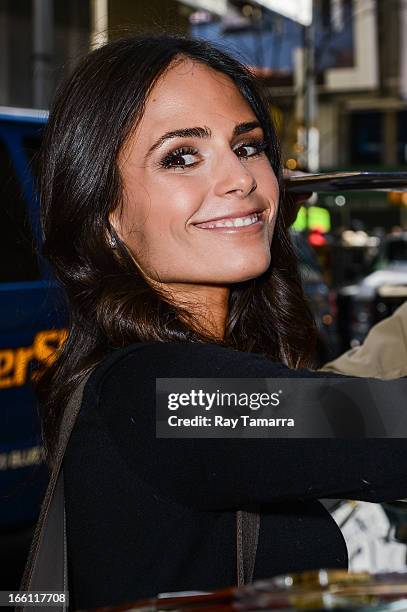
(243, 420)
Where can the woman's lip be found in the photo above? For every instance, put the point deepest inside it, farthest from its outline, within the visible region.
(235, 216)
(258, 225)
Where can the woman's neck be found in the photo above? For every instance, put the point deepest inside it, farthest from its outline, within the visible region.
(208, 303)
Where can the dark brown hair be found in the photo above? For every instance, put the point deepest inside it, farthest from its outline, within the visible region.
(111, 304)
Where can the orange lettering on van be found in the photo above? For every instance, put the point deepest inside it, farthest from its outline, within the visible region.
(6, 368)
(14, 363)
(24, 355)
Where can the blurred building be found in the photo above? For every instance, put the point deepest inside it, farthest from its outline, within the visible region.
(39, 41)
(42, 40)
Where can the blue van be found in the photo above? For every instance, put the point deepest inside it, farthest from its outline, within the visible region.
(32, 321)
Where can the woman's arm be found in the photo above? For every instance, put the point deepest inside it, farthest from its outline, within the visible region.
(231, 473)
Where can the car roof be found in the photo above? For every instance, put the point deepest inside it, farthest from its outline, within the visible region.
(32, 115)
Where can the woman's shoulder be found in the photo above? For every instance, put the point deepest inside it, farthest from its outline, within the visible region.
(146, 361)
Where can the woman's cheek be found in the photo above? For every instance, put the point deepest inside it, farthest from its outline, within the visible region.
(186, 199)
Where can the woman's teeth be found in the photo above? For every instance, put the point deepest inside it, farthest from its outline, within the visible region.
(237, 222)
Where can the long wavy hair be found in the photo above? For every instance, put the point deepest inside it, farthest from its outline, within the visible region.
(111, 303)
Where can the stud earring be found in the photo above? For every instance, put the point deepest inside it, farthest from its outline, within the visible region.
(112, 242)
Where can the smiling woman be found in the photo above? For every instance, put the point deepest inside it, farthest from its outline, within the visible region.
(164, 221)
(209, 197)
(149, 140)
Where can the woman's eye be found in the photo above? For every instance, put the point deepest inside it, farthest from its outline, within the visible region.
(250, 149)
(180, 158)
(186, 157)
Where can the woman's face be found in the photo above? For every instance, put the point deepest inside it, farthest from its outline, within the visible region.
(200, 196)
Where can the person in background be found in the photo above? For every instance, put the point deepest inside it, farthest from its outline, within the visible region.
(371, 530)
(383, 354)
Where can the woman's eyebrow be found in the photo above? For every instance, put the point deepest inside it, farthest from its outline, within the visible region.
(200, 132)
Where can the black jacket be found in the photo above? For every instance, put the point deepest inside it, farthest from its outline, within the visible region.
(147, 515)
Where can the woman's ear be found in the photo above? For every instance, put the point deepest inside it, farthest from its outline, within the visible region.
(114, 230)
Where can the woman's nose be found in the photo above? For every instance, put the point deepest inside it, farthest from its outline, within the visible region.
(232, 177)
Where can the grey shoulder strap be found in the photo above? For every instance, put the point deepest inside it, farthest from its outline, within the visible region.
(46, 569)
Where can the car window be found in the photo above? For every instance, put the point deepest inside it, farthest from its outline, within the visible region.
(18, 261)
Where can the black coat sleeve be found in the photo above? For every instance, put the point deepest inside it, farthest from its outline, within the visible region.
(216, 474)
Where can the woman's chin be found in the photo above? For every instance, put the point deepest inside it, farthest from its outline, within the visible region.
(218, 272)
(242, 274)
